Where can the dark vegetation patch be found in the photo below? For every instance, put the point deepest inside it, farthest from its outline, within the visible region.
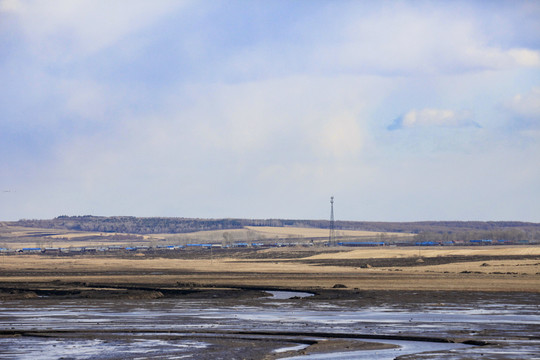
(132, 292)
(412, 261)
(511, 230)
(232, 294)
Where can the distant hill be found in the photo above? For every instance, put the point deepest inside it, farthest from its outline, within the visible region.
(443, 230)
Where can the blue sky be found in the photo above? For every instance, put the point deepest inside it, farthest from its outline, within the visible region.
(403, 110)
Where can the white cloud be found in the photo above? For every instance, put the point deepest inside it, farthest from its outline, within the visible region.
(341, 137)
(247, 118)
(525, 57)
(86, 99)
(430, 117)
(527, 105)
(61, 30)
(415, 40)
(313, 115)
(208, 141)
(10, 5)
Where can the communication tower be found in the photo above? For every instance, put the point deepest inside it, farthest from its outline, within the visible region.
(332, 236)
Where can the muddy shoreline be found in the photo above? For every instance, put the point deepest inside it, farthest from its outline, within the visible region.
(207, 317)
(85, 290)
(227, 338)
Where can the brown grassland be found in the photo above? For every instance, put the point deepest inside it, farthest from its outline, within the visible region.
(22, 237)
(273, 231)
(481, 268)
(490, 268)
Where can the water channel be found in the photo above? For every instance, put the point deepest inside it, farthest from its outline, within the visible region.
(283, 324)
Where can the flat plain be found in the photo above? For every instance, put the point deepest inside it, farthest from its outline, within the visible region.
(493, 268)
(214, 303)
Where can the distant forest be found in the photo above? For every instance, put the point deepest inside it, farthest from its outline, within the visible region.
(425, 230)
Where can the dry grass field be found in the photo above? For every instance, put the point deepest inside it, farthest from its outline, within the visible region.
(435, 270)
(16, 237)
(21, 237)
(214, 236)
(487, 268)
(284, 232)
(265, 233)
(434, 251)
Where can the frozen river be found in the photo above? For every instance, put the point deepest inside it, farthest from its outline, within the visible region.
(212, 328)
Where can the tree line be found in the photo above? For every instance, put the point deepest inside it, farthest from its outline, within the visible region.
(425, 230)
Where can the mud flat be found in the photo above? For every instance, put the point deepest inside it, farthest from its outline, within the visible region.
(207, 325)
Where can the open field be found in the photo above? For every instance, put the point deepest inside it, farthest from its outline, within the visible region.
(285, 232)
(271, 234)
(487, 269)
(17, 237)
(473, 268)
(436, 251)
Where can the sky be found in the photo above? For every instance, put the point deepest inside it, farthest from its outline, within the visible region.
(401, 110)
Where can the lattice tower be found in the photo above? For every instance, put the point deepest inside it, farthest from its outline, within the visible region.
(332, 236)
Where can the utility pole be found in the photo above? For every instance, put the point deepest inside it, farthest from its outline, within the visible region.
(332, 235)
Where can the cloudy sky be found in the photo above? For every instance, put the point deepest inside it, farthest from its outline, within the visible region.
(403, 110)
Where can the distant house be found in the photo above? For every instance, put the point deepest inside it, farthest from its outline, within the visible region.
(240, 245)
(427, 243)
(30, 250)
(481, 242)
